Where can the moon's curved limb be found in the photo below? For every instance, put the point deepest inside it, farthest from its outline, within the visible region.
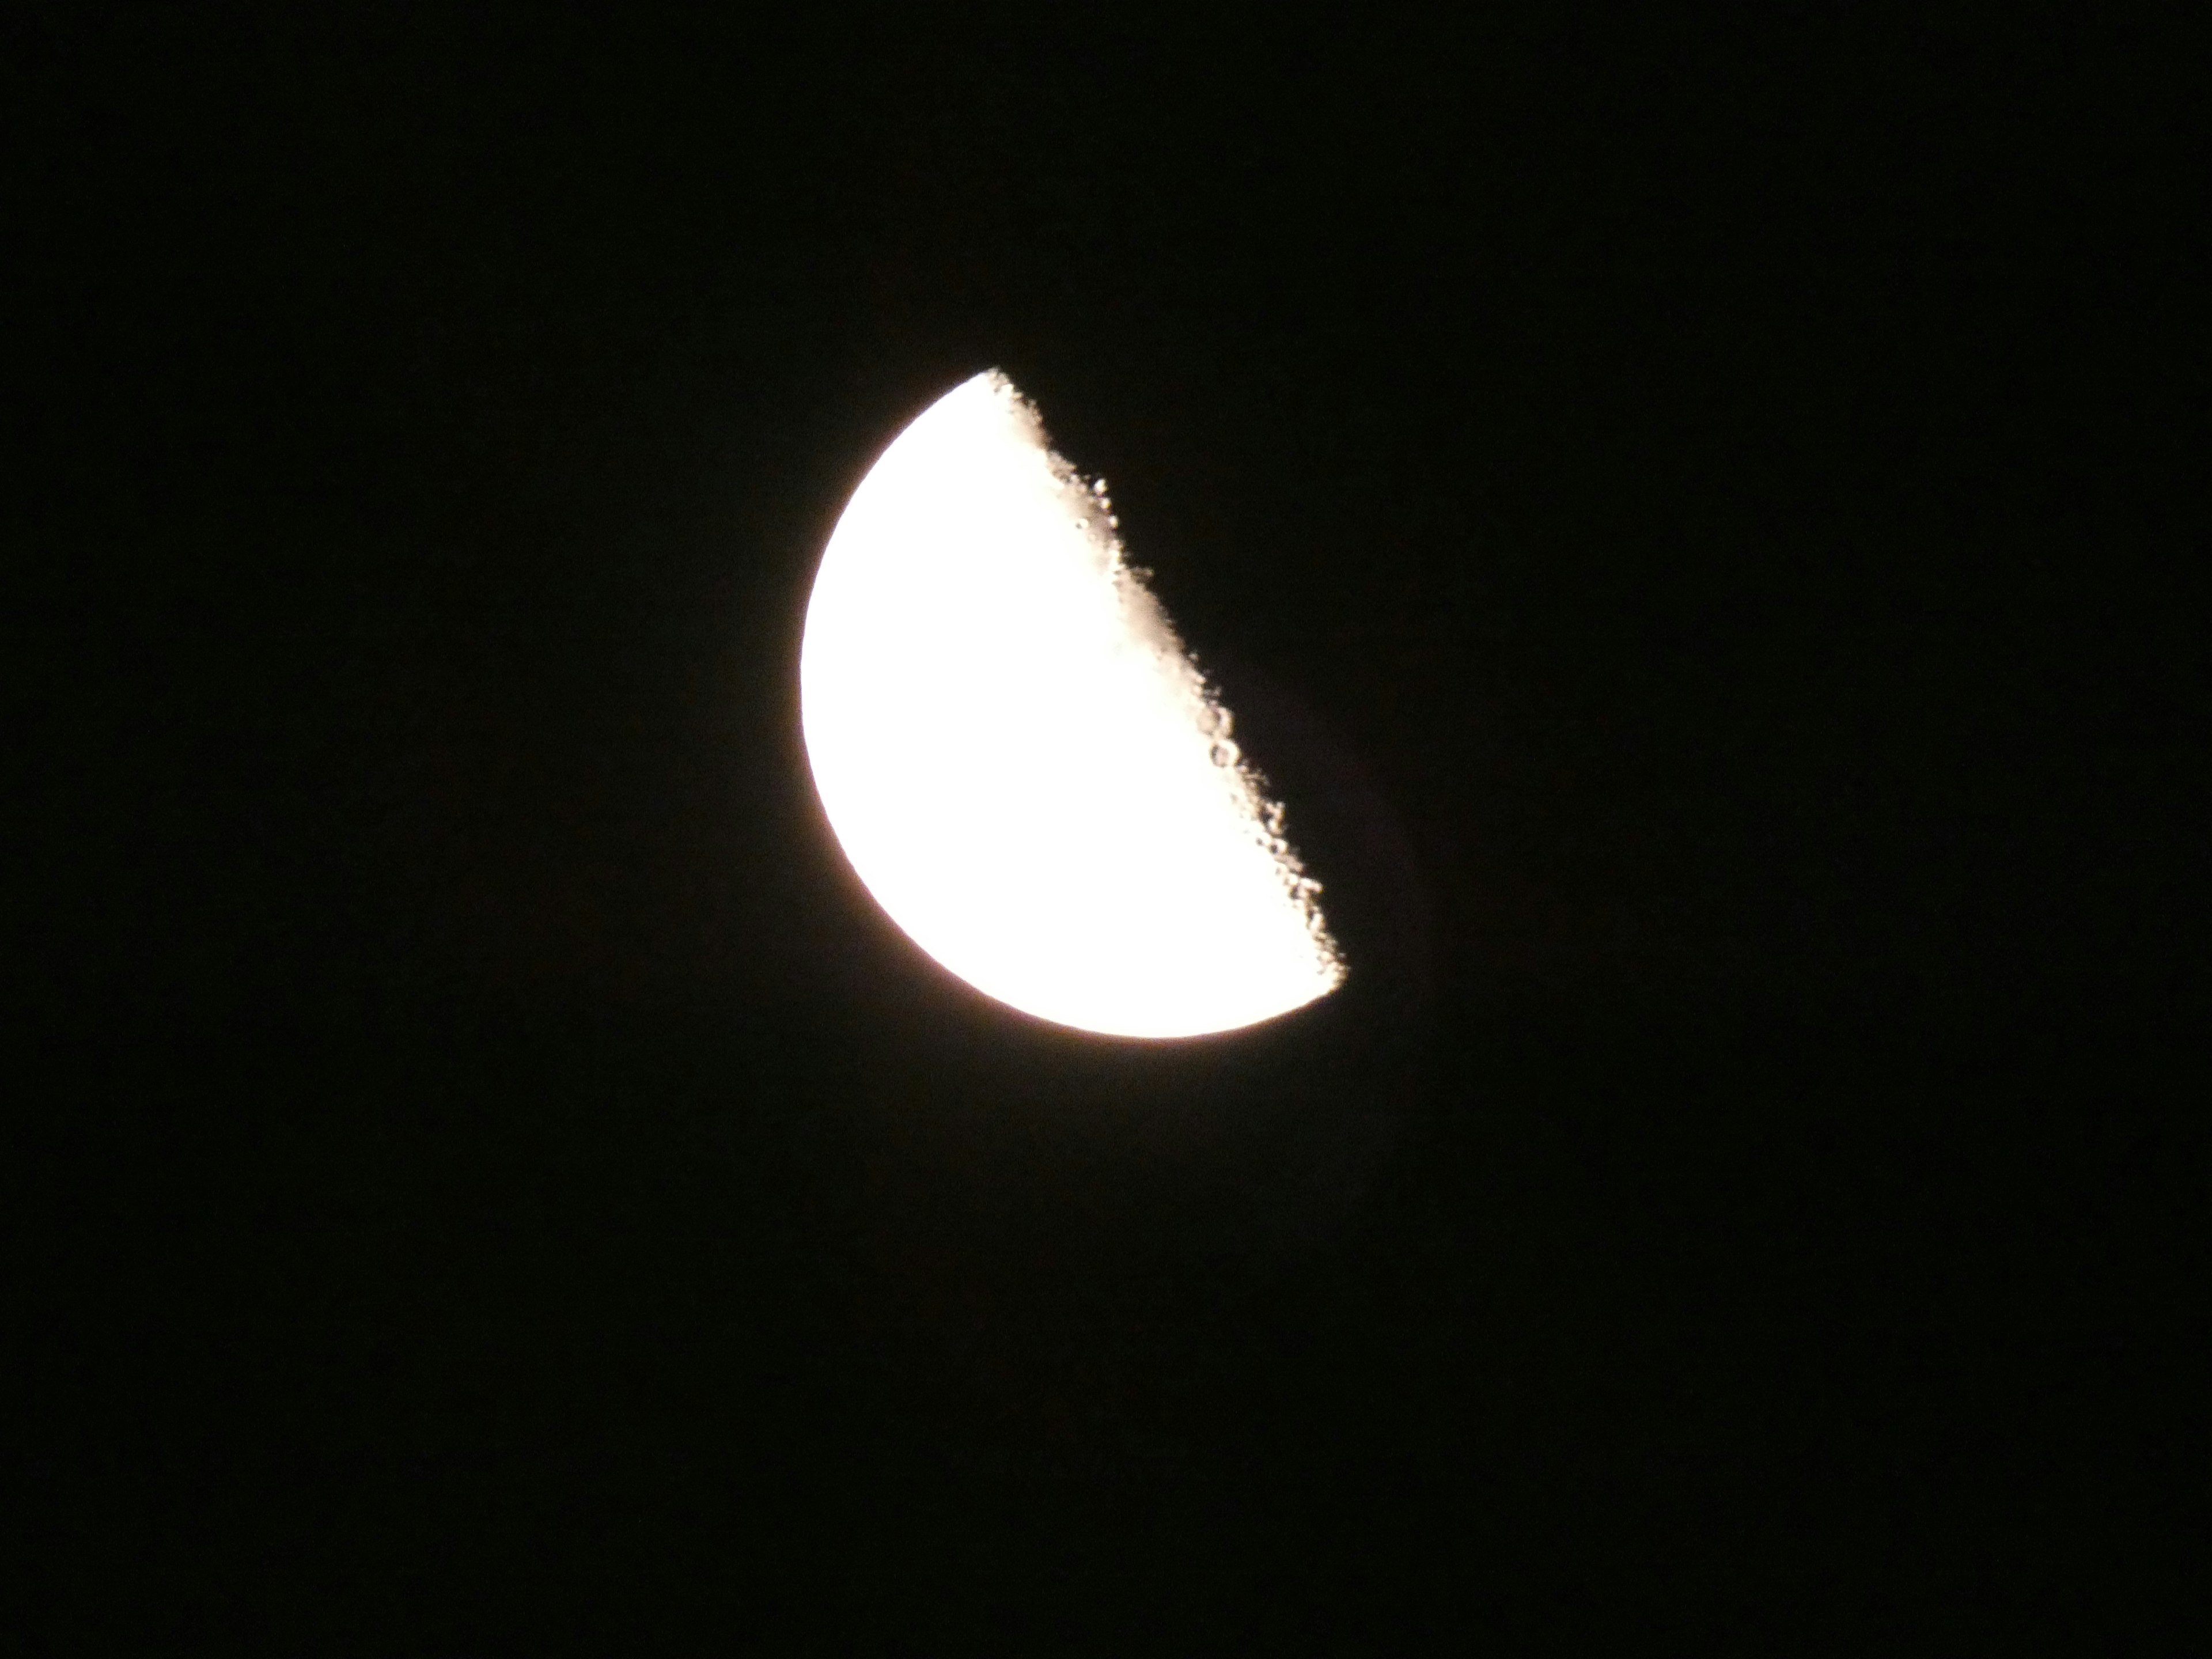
(1020, 759)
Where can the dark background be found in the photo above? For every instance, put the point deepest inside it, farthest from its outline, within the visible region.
(1711, 505)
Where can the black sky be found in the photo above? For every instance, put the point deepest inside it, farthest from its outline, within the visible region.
(1706, 513)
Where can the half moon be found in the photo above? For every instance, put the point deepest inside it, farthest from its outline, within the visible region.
(1021, 760)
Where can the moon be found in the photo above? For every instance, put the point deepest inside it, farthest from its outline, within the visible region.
(1021, 760)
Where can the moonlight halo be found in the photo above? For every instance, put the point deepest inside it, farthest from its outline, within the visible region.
(1020, 760)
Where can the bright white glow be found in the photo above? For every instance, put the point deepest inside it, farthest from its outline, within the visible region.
(1021, 760)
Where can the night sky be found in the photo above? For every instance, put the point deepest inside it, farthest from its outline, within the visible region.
(1698, 519)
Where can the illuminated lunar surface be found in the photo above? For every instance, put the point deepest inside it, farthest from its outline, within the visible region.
(1021, 760)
